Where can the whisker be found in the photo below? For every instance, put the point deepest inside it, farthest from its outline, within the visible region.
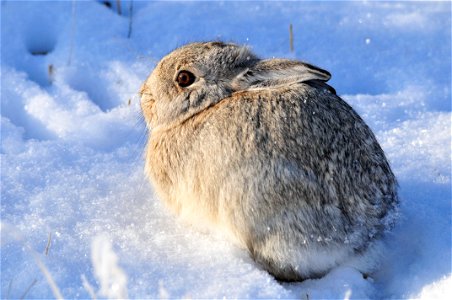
(139, 120)
(140, 135)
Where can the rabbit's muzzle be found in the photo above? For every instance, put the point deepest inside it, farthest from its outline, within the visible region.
(147, 104)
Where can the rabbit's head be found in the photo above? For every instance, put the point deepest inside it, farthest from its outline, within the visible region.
(198, 75)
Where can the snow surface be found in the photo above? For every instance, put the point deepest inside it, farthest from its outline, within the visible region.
(72, 141)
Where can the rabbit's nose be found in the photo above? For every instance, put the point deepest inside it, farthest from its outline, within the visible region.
(147, 104)
(145, 94)
(143, 90)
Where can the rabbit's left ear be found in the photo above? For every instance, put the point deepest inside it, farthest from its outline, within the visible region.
(273, 72)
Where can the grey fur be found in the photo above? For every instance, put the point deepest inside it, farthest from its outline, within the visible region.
(265, 151)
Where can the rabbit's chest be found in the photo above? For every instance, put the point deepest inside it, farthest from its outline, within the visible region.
(165, 160)
(173, 164)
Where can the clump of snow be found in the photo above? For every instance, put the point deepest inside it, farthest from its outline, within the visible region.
(441, 289)
(72, 141)
(343, 283)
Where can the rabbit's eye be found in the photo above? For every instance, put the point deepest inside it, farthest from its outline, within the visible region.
(185, 78)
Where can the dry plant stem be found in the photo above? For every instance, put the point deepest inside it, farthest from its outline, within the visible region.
(118, 4)
(49, 241)
(14, 234)
(88, 287)
(10, 285)
(51, 73)
(45, 271)
(129, 34)
(28, 289)
(291, 37)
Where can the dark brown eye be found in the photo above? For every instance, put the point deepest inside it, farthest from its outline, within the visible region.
(185, 78)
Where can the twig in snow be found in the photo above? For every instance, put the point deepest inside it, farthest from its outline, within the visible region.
(51, 73)
(48, 244)
(10, 285)
(14, 234)
(88, 287)
(118, 4)
(130, 19)
(28, 289)
(291, 37)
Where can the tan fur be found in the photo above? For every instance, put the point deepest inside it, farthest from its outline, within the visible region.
(266, 152)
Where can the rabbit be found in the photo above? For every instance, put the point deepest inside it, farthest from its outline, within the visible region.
(264, 151)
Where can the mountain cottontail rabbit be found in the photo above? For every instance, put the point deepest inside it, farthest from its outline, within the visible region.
(265, 151)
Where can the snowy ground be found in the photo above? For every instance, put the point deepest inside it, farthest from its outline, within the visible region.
(72, 140)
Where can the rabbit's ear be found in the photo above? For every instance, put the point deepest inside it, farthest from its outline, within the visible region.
(274, 72)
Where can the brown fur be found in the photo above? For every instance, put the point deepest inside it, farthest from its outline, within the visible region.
(265, 151)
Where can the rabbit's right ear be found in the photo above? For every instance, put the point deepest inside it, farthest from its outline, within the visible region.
(274, 72)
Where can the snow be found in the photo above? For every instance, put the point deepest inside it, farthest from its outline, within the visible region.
(113, 281)
(72, 141)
